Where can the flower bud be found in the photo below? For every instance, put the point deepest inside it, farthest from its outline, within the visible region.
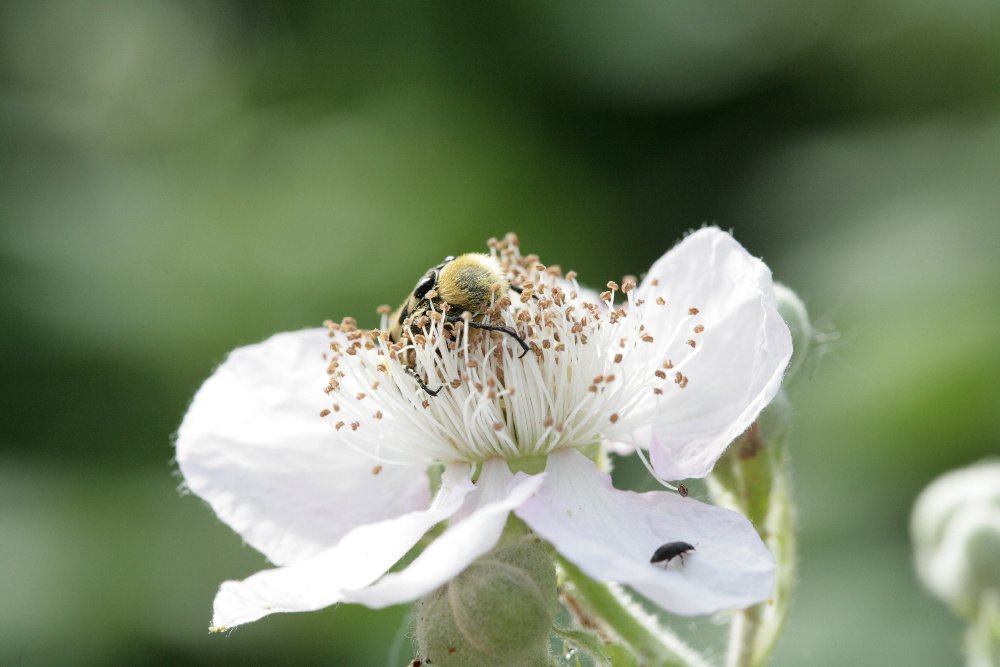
(794, 312)
(956, 536)
(499, 611)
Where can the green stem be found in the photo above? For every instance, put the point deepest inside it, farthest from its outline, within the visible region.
(754, 477)
(742, 631)
(982, 636)
(611, 611)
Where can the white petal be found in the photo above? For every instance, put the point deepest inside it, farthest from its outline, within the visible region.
(254, 446)
(361, 557)
(485, 515)
(739, 358)
(612, 534)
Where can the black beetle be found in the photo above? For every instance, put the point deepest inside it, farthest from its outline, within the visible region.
(671, 550)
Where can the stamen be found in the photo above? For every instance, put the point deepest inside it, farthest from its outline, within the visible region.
(456, 388)
(649, 467)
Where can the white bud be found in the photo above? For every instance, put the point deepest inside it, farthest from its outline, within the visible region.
(956, 536)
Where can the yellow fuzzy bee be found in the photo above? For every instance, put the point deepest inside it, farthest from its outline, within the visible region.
(467, 284)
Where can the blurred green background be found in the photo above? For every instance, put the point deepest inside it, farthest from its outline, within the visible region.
(179, 178)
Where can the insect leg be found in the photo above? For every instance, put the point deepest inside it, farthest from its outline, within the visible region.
(412, 372)
(494, 327)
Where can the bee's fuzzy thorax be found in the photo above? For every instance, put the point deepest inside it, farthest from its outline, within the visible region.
(469, 282)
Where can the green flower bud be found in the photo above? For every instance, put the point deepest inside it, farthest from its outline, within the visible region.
(956, 536)
(794, 312)
(499, 611)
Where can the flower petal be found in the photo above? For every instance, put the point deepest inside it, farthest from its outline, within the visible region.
(484, 517)
(612, 534)
(361, 557)
(721, 299)
(254, 446)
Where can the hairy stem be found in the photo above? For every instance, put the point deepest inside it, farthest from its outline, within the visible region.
(613, 614)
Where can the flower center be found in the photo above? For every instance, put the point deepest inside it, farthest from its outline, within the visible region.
(594, 370)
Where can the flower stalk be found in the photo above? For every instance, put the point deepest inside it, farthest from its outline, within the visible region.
(754, 478)
(613, 614)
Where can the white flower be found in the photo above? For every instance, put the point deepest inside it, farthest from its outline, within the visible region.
(334, 488)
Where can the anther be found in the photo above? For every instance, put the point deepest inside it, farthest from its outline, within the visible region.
(377, 469)
(699, 328)
(693, 311)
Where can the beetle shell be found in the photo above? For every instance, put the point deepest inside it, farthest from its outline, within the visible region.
(667, 552)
